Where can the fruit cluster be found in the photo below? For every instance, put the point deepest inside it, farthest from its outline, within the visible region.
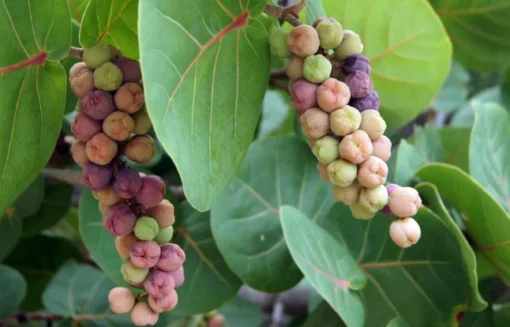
(337, 107)
(111, 122)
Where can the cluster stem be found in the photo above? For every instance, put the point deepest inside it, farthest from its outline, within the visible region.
(290, 14)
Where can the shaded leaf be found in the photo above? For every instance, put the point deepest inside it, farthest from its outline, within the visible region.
(456, 146)
(484, 318)
(505, 89)
(81, 292)
(327, 264)
(323, 316)
(205, 269)
(487, 222)
(78, 8)
(30, 200)
(483, 267)
(113, 22)
(10, 231)
(403, 34)
(425, 285)
(57, 201)
(13, 290)
(37, 258)
(204, 96)
(478, 30)
(502, 315)
(278, 116)
(489, 153)
(241, 313)
(454, 91)
(409, 159)
(465, 116)
(427, 140)
(245, 221)
(314, 10)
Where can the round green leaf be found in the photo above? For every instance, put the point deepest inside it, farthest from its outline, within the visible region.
(241, 313)
(489, 153)
(487, 222)
(205, 269)
(454, 91)
(478, 30)
(13, 290)
(10, 231)
(113, 22)
(37, 258)
(245, 221)
(409, 50)
(327, 264)
(205, 69)
(30, 200)
(57, 201)
(33, 95)
(465, 116)
(425, 285)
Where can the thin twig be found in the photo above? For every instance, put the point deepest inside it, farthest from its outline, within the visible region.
(289, 14)
(75, 52)
(70, 176)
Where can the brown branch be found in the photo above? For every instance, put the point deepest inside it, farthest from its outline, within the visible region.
(289, 14)
(75, 52)
(278, 73)
(71, 176)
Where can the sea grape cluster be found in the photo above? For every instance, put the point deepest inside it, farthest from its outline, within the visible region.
(112, 122)
(337, 107)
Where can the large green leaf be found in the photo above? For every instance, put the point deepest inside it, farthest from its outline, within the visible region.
(241, 313)
(57, 201)
(99, 243)
(13, 290)
(454, 91)
(245, 222)
(427, 141)
(327, 264)
(71, 99)
(478, 31)
(113, 22)
(10, 231)
(404, 34)
(78, 9)
(205, 269)
(278, 116)
(37, 258)
(409, 159)
(456, 146)
(81, 292)
(432, 199)
(205, 69)
(489, 154)
(465, 116)
(487, 222)
(33, 91)
(426, 284)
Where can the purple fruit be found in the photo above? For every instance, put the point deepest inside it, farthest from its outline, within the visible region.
(145, 254)
(370, 101)
(304, 95)
(127, 182)
(98, 104)
(84, 127)
(359, 83)
(356, 63)
(130, 69)
(172, 257)
(97, 177)
(159, 283)
(152, 191)
(178, 277)
(119, 219)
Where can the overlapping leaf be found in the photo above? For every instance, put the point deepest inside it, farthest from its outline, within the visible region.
(323, 316)
(465, 116)
(30, 200)
(454, 90)
(327, 264)
(245, 222)
(33, 95)
(408, 48)
(425, 285)
(10, 231)
(13, 290)
(487, 222)
(456, 146)
(241, 313)
(205, 69)
(478, 31)
(409, 159)
(489, 154)
(113, 22)
(78, 9)
(205, 269)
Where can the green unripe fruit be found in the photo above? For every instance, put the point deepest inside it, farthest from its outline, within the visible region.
(373, 199)
(330, 34)
(164, 235)
(350, 45)
(97, 55)
(146, 228)
(294, 68)
(278, 42)
(133, 274)
(326, 149)
(345, 121)
(372, 123)
(360, 212)
(342, 173)
(107, 77)
(317, 68)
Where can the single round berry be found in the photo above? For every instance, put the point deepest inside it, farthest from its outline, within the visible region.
(315, 123)
(101, 149)
(97, 55)
(356, 63)
(121, 299)
(278, 42)
(356, 147)
(163, 304)
(342, 172)
(81, 79)
(333, 95)
(118, 125)
(140, 149)
(372, 172)
(317, 68)
(129, 98)
(359, 83)
(370, 101)
(347, 195)
(143, 315)
(372, 123)
(294, 68)
(107, 196)
(373, 199)
(159, 283)
(163, 212)
(78, 153)
(304, 95)
(127, 183)
(130, 69)
(382, 148)
(350, 45)
(97, 177)
(84, 127)
(360, 212)
(303, 40)
(152, 192)
(172, 257)
(132, 274)
(97, 104)
(107, 77)
(119, 220)
(164, 235)
(326, 149)
(404, 202)
(345, 121)
(405, 232)
(146, 228)
(145, 254)
(143, 123)
(330, 34)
